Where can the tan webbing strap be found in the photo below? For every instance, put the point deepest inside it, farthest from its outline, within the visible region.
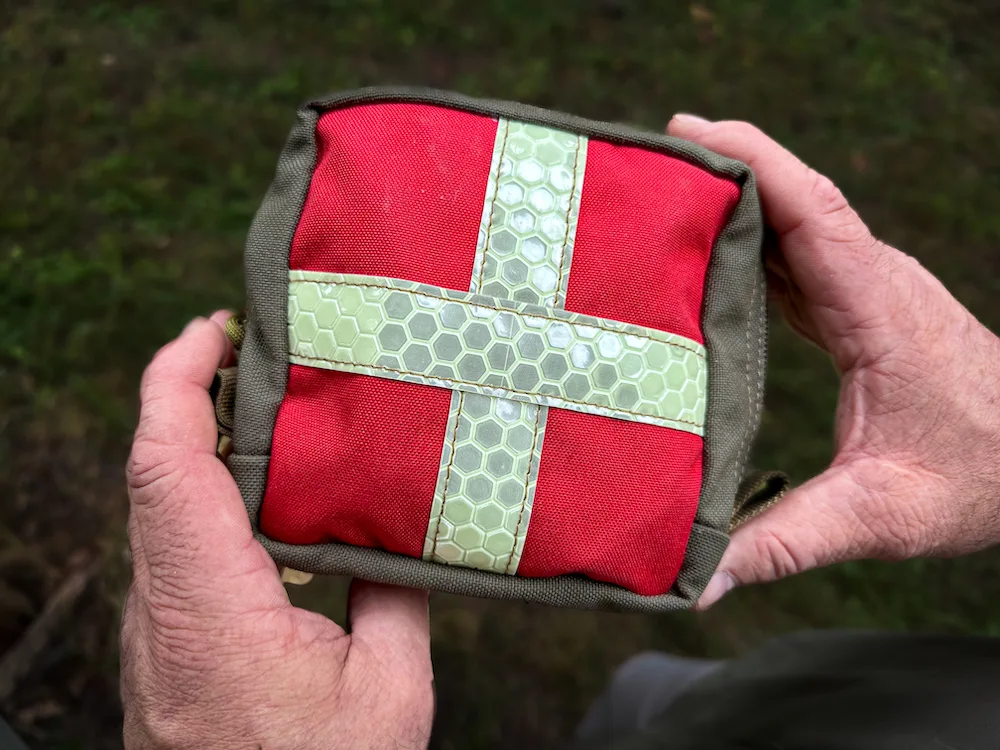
(758, 491)
(223, 392)
(235, 330)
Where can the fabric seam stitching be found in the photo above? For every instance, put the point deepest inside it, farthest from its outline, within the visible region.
(758, 384)
(527, 482)
(447, 475)
(741, 459)
(569, 211)
(493, 206)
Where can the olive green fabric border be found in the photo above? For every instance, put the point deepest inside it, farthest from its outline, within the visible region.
(263, 366)
(384, 567)
(734, 324)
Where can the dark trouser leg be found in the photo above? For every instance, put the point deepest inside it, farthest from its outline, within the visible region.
(640, 690)
(836, 691)
(9, 740)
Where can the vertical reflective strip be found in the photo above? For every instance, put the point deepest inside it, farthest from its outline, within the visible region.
(486, 230)
(492, 448)
(526, 236)
(489, 468)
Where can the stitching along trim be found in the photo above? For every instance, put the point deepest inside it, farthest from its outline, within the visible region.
(481, 509)
(525, 243)
(401, 330)
(532, 197)
(506, 349)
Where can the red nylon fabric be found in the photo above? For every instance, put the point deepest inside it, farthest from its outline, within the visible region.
(646, 230)
(398, 191)
(616, 500)
(355, 459)
(613, 501)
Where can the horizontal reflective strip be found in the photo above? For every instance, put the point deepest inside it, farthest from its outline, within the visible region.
(407, 331)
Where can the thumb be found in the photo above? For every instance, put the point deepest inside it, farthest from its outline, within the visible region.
(830, 252)
(814, 525)
(191, 538)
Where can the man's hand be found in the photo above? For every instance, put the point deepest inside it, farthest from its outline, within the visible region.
(213, 654)
(917, 464)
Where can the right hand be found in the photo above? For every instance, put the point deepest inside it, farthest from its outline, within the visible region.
(916, 468)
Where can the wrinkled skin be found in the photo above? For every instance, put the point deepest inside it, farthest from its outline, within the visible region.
(213, 653)
(916, 469)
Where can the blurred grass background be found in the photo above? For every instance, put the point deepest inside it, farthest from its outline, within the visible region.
(136, 141)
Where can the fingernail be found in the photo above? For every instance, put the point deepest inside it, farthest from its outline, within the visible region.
(690, 119)
(721, 584)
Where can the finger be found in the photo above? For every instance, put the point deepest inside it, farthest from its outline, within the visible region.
(785, 295)
(392, 623)
(184, 369)
(813, 525)
(190, 524)
(820, 233)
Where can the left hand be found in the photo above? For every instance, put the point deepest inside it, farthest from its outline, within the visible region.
(213, 654)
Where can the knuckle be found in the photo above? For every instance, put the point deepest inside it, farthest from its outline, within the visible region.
(159, 703)
(413, 738)
(825, 195)
(774, 558)
(830, 205)
(187, 681)
(836, 220)
(149, 723)
(171, 668)
(743, 130)
(150, 465)
(127, 629)
(134, 734)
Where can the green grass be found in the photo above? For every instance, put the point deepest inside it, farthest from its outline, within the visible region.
(137, 141)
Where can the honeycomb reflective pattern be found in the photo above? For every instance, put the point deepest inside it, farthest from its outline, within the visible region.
(523, 251)
(525, 242)
(406, 331)
(506, 349)
(481, 509)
